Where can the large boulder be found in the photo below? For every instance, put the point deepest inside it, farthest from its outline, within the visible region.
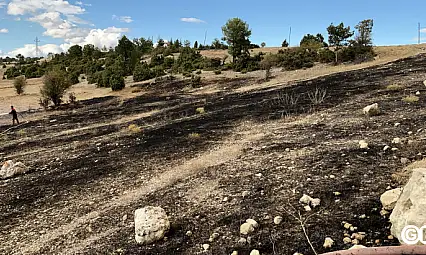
(410, 209)
(389, 198)
(10, 169)
(151, 224)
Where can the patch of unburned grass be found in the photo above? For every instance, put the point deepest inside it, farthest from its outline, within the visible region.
(411, 99)
(200, 110)
(194, 136)
(395, 87)
(134, 128)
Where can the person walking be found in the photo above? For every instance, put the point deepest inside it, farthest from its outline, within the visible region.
(14, 115)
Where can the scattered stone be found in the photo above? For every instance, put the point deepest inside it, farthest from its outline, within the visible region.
(405, 161)
(328, 242)
(337, 193)
(377, 241)
(347, 225)
(254, 252)
(298, 253)
(234, 253)
(213, 237)
(151, 224)
(352, 228)
(253, 223)
(124, 218)
(410, 207)
(397, 124)
(246, 228)
(383, 212)
(363, 144)
(287, 149)
(225, 199)
(386, 148)
(206, 246)
(362, 216)
(357, 247)
(347, 240)
(308, 208)
(189, 233)
(389, 198)
(258, 175)
(394, 149)
(390, 237)
(355, 241)
(305, 199)
(357, 236)
(410, 132)
(315, 202)
(278, 220)
(371, 110)
(242, 241)
(10, 169)
(424, 83)
(418, 93)
(396, 140)
(246, 193)
(332, 176)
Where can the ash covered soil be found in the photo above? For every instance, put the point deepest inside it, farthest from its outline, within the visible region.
(89, 171)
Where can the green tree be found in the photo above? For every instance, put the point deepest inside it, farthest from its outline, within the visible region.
(75, 51)
(55, 84)
(196, 45)
(364, 33)
(338, 35)
(236, 33)
(187, 43)
(88, 50)
(125, 49)
(117, 82)
(263, 44)
(142, 72)
(216, 44)
(284, 44)
(313, 41)
(160, 43)
(144, 46)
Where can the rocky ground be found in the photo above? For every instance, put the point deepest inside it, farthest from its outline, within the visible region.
(212, 161)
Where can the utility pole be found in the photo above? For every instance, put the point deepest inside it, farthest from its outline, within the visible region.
(289, 38)
(205, 37)
(37, 50)
(419, 33)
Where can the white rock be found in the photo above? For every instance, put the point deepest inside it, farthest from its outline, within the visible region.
(234, 253)
(386, 148)
(246, 228)
(189, 233)
(347, 225)
(10, 169)
(225, 199)
(410, 209)
(297, 253)
(151, 224)
(258, 175)
(305, 199)
(213, 237)
(418, 93)
(278, 220)
(394, 149)
(357, 247)
(308, 208)
(347, 240)
(206, 246)
(405, 161)
(332, 176)
(254, 252)
(424, 83)
(242, 241)
(246, 193)
(328, 242)
(371, 110)
(253, 223)
(315, 202)
(396, 140)
(363, 144)
(389, 198)
(397, 124)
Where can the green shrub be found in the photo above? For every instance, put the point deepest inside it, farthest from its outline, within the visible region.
(55, 84)
(142, 72)
(156, 60)
(168, 63)
(326, 56)
(296, 58)
(195, 81)
(158, 71)
(19, 83)
(73, 78)
(357, 54)
(116, 82)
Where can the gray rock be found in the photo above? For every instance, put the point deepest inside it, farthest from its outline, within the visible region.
(371, 110)
(410, 209)
(10, 169)
(151, 224)
(246, 228)
(278, 220)
(389, 198)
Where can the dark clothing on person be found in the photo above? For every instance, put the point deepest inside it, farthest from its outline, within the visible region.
(15, 116)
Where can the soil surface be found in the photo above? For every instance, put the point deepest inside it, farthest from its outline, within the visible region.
(90, 171)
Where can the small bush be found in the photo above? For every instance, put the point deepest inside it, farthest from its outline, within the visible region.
(411, 99)
(19, 83)
(134, 128)
(195, 81)
(72, 98)
(73, 78)
(55, 84)
(142, 72)
(217, 72)
(117, 82)
(158, 71)
(326, 56)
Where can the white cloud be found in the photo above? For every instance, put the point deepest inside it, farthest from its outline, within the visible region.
(2, 4)
(29, 50)
(125, 19)
(82, 4)
(21, 7)
(192, 20)
(4, 31)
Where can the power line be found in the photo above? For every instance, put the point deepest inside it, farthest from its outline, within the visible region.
(289, 38)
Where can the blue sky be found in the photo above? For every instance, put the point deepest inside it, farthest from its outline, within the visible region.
(59, 23)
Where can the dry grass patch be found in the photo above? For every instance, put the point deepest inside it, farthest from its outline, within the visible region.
(395, 87)
(194, 136)
(134, 128)
(411, 99)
